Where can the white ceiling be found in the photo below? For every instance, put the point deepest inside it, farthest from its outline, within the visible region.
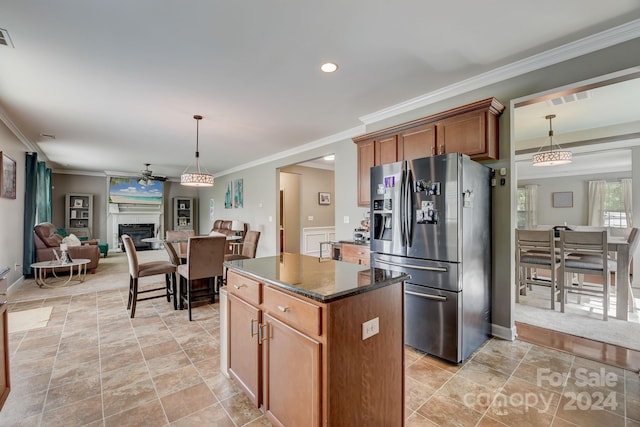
(598, 122)
(118, 82)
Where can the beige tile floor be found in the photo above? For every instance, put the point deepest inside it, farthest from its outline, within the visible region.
(92, 365)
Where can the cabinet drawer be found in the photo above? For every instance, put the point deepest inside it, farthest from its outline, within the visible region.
(243, 287)
(297, 313)
(358, 254)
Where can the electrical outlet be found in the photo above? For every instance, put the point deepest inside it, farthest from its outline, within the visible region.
(270, 218)
(370, 328)
(310, 218)
(346, 219)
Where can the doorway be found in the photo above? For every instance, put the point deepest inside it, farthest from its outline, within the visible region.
(300, 207)
(592, 120)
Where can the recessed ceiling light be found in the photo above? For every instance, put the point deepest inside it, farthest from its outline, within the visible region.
(329, 67)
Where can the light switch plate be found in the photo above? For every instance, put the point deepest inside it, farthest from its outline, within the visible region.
(370, 328)
(346, 219)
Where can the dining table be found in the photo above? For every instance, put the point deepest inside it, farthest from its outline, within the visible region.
(620, 246)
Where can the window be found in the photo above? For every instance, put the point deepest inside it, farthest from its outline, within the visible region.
(522, 204)
(614, 212)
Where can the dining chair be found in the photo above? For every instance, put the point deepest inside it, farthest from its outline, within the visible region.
(535, 249)
(146, 269)
(249, 247)
(175, 260)
(205, 255)
(586, 253)
(179, 238)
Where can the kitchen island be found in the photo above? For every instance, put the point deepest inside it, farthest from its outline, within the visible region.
(315, 342)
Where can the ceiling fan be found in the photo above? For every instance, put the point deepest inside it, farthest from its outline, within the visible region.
(147, 177)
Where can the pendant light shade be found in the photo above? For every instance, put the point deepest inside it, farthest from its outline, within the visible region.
(197, 178)
(552, 157)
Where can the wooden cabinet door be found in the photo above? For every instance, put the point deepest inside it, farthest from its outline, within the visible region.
(356, 254)
(386, 150)
(418, 142)
(292, 375)
(366, 160)
(244, 349)
(465, 134)
(5, 383)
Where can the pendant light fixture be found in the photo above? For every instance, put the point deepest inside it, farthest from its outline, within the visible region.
(551, 157)
(197, 178)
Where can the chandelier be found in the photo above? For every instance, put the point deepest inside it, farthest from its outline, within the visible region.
(197, 178)
(551, 157)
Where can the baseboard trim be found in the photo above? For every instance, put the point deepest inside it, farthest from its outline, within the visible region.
(508, 334)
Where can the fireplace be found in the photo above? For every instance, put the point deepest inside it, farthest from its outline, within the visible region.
(137, 232)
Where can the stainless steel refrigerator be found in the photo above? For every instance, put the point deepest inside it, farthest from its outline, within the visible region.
(431, 218)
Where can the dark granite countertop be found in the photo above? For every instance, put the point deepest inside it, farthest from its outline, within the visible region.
(321, 280)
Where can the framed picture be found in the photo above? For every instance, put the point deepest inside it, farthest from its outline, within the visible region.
(7, 177)
(324, 198)
(563, 199)
(183, 206)
(228, 195)
(77, 203)
(238, 196)
(84, 214)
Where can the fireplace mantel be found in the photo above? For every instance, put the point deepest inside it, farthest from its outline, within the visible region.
(132, 214)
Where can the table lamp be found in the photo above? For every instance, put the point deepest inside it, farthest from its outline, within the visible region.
(237, 226)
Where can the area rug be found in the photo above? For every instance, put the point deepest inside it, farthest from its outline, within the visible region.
(29, 319)
(582, 320)
(112, 273)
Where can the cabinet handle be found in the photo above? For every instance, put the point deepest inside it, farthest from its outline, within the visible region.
(238, 287)
(262, 336)
(283, 309)
(253, 334)
(442, 149)
(433, 151)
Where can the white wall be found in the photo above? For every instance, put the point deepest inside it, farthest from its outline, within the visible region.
(579, 185)
(12, 210)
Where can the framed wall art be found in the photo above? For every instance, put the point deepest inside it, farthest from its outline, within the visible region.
(238, 201)
(227, 195)
(562, 199)
(324, 198)
(7, 177)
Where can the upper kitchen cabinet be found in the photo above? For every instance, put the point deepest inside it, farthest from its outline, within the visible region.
(417, 142)
(470, 129)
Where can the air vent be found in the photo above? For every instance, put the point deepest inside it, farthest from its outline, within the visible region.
(570, 98)
(5, 40)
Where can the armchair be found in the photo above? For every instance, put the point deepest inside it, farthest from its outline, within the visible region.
(46, 239)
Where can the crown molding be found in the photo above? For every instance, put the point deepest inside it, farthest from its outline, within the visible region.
(31, 147)
(589, 44)
(336, 137)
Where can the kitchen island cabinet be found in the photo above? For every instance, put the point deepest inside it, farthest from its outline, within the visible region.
(302, 341)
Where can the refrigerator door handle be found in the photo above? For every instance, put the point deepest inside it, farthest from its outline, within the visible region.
(417, 267)
(427, 296)
(408, 218)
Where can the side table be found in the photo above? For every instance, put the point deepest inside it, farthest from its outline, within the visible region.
(41, 269)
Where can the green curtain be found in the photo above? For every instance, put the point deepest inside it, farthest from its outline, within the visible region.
(37, 205)
(30, 206)
(43, 197)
